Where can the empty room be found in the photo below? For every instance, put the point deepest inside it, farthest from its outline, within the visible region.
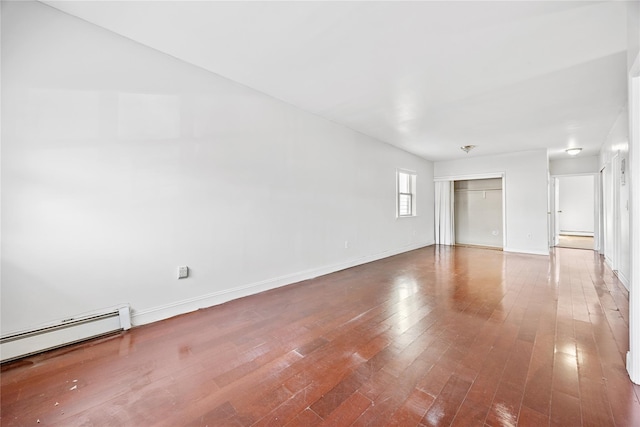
(320, 213)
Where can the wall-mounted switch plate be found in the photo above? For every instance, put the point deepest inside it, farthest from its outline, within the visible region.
(183, 272)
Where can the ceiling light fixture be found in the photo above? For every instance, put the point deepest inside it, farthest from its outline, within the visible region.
(467, 148)
(573, 151)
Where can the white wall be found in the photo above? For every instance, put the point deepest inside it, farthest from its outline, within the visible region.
(525, 189)
(614, 152)
(576, 205)
(574, 165)
(120, 163)
(633, 32)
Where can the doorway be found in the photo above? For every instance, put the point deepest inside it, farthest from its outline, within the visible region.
(575, 211)
(478, 213)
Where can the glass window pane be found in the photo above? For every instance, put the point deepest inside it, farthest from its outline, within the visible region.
(406, 193)
(404, 183)
(405, 204)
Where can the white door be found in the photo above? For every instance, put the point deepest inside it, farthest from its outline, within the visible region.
(576, 197)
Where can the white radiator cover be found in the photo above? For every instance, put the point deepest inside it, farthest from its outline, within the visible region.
(64, 332)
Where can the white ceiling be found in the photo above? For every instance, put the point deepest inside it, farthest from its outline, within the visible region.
(428, 77)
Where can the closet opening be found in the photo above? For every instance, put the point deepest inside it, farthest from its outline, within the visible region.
(478, 213)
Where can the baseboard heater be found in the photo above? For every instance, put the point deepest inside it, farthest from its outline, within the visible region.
(64, 332)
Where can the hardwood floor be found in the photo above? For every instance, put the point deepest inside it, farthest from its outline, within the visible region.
(575, 242)
(438, 336)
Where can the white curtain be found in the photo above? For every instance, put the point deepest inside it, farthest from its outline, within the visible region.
(444, 214)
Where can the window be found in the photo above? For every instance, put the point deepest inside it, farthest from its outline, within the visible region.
(406, 193)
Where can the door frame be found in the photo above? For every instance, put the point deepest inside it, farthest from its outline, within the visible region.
(610, 168)
(554, 199)
(501, 175)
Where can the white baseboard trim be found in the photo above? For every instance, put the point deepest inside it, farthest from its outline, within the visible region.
(632, 368)
(609, 262)
(623, 279)
(526, 251)
(142, 317)
(576, 233)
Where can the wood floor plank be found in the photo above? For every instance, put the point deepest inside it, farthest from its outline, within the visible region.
(537, 393)
(348, 411)
(437, 336)
(413, 410)
(470, 414)
(445, 407)
(531, 418)
(565, 374)
(565, 410)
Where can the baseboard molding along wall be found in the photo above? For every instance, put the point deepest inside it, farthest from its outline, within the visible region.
(143, 317)
(526, 251)
(624, 279)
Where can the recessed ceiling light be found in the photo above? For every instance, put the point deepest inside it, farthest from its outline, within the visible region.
(573, 151)
(467, 148)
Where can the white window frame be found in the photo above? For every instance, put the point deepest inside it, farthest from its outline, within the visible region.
(412, 178)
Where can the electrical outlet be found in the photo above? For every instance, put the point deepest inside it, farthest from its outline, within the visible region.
(183, 272)
(346, 244)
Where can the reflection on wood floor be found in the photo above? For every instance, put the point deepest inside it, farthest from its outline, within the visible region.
(437, 336)
(575, 242)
